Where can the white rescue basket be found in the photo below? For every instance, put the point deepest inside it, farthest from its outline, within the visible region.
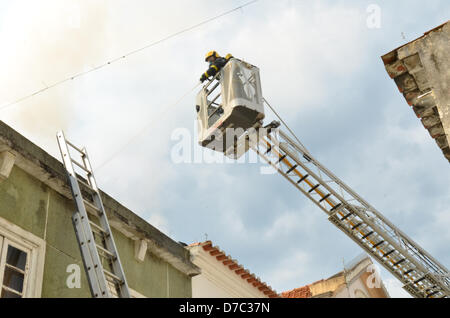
(232, 105)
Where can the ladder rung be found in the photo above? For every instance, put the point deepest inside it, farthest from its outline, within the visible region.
(105, 251)
(337, 206)
(303, 178)
(85, 184)
(419, 280)
(213, 102)
(115, 277)
(74, 147)
(268, 150)
(408, 271)
(378, 244)
(388, 253)
(356, 226)
(314, 188)
(212, 89)
(432, 294)
(98, 228)
(367, 235)
(90, 205)
(292, 169)
(81, 166)
(346, 216)
(399, 262)
(325, 197)
(282, 158)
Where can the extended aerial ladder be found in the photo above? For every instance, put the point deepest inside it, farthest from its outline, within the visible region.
(421, 274)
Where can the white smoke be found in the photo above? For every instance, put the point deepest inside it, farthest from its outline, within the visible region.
(44, 42)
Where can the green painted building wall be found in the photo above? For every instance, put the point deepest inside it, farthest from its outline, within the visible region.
(37, 208)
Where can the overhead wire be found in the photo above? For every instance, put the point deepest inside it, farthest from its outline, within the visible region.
(123, 56)
(286, 125)
(141, 131)
(165, 109)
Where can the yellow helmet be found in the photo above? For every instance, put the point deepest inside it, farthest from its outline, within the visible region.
(211, 53)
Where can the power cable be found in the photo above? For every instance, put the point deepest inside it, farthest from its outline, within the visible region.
(287, 127)
(157, 116)
(7, 105)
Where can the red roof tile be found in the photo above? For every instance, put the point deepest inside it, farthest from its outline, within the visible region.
(302, 292)
(237, 268)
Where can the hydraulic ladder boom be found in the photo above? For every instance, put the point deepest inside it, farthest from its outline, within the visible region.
(421, 274)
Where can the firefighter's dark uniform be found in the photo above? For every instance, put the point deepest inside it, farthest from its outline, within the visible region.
(215, 67)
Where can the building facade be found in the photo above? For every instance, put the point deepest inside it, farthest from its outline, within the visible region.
(223, 277)
(359, 280)
(421, 71)
(39, 252)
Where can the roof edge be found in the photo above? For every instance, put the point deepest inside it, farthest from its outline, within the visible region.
(40, 164)
(233, 265)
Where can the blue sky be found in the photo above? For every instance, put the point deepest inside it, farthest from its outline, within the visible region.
(320, 67)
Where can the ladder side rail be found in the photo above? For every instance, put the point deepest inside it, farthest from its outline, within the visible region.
(87, 259)
(109, 240)
(404, 241)
(354, 210)
(92, 259)
(378, 218)
(412, 291)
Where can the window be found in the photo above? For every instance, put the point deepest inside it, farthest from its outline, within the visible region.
(13, 269)
(22, 256)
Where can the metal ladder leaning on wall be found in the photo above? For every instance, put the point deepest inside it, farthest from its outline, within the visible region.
(96, 255)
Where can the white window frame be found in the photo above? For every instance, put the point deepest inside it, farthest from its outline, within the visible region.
(5, 245)
(11, 234)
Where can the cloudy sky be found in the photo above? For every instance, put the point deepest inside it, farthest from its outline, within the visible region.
(320, 68)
